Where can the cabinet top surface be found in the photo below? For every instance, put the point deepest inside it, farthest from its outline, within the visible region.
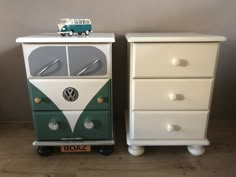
(173, 37)
(57, 38)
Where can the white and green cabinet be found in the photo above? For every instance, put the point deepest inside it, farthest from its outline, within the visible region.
(70, 88)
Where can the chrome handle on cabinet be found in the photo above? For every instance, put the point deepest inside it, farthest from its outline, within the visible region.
(47, 67)
(53, 125)
(87, 67)
(88, 124)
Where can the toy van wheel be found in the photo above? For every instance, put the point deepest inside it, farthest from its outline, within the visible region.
(63, 34)
(70, 33)
(79, 33)
(45, 150)
(87, 32)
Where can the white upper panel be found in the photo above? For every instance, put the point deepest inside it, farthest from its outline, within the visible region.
(57, 38)
(172, 37)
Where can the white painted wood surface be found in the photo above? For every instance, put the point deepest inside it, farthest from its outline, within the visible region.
(170, 94)
(173, 37)
(158, 142)
(163, 60)
(57, 38)
(155, 125)
(171, 78)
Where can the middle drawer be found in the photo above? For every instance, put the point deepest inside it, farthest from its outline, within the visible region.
(170, 94)
(70, 94)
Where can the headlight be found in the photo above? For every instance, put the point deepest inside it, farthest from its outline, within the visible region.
(63, 28)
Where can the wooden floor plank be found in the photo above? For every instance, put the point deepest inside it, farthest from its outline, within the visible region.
(19, 159)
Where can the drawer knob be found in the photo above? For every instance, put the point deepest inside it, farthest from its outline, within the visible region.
(100, 100)
(173, 97)
(88, 124)
(53, 125)
(170, 128)
(37, 100)
(176, 62)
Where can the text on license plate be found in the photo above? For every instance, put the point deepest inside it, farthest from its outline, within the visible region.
(76, 148)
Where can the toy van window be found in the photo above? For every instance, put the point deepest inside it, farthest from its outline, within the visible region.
(76, 21)
(62, 21)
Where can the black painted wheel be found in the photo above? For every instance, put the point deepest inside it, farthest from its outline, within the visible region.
(45, 150)
(79, 33)
(105, 150)
(63, 34)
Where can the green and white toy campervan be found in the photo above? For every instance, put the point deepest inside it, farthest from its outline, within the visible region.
(71, 26)
(70, 88)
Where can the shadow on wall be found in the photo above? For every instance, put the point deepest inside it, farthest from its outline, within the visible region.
(119, 74)
(224, 95)
(14, 96)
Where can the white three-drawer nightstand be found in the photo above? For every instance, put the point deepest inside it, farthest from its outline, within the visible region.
(171, 81)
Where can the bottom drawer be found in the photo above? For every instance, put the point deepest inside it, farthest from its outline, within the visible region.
(168, 125)
(72, 125)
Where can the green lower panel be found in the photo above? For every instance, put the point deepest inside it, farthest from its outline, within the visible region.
(42, 130)
(100, 121)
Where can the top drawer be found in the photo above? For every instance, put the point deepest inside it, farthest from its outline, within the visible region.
(73, 60)
(162, 60)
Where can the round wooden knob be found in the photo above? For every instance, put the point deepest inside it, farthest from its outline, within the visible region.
(100, 100)
(37, 100)
(170, 128)
(176, 62)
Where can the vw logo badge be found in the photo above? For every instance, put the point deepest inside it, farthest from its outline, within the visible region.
(70, 94)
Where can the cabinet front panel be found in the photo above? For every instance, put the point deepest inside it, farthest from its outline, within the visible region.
(168, 125)
(170, 94)
(48, 61)
(70, 94)
(161, 60)
(72, 125)
(87, 61)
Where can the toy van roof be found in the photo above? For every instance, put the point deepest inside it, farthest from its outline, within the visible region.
(75, 19)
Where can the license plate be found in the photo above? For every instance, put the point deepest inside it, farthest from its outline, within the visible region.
(76, 148)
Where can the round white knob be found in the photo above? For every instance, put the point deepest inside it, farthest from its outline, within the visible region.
(172, 96)
(176, 62)
(53, 125)
(170, 128)
(88, 124)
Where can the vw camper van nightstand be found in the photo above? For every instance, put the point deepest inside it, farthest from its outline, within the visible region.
(170, 87)
(70, 88)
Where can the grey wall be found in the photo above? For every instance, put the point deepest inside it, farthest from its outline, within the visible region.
(26, 17)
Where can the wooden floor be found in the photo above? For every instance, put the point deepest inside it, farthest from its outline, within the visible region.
(19, 159)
